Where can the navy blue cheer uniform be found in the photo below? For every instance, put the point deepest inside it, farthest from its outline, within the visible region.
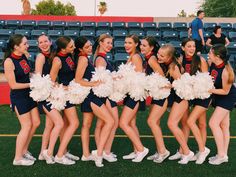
(149, 71)
(46, 70)
(186, 63)
(20, 97)
(224, 101)
(131, 103)
(91, 98)
(67, 72)
(111, 69)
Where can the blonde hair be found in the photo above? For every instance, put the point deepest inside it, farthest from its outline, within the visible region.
(101, 38)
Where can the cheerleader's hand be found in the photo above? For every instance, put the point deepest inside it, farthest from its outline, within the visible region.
(96, 83)
(169, 86)
(211, 90)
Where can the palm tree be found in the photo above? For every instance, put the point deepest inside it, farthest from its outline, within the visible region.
(26, 7)
(102, 7)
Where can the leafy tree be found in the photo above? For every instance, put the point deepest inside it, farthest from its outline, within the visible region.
(50, 7)
(219, 8)
(182, 13)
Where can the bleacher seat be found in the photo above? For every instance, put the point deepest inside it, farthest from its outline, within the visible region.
(104, 31)
(36, 33)
(149, 26)
(54, 34)
(3, 44)
(33, 45)
(28, 24)
(58, 25)
(177, 45)
(170, 35)
(5, 33)
(232, 48)
(120, 58)
(207, 34)
(232, 36)
(109, 57)
(73, 25)
(165, 26)
(209, 26)
(88, 25)
(232, 60)
(180, 26)
(103, 26)
(234, 27)
(2, 23)
(205, 56)
(43, 24)
(71, 33)
(155, 34)
(24, 32)
(161, 43)
(31, 58)
(119, 46)
(90, 34)
(139, 33)
(226, 26)
(1, 62)
(134, 25)
(12, 24)
(183, 34)
(120, 34)
(118, 25)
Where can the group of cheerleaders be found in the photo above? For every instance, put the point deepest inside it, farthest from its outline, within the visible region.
(70, 61)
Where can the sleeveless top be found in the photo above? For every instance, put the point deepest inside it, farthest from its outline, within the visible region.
(103, 55)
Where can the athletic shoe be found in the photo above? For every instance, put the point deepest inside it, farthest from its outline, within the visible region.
(41, 157)
(141, 155)
(23, 162)
(176, 156)
(97, 159)
(218, 160)
(89, 158)
(109, 157)
(152, 157)
(162, 157)
(29, 156)
(195, 156)
(186, 158)
(202, 156)
(63, 160)
(132, 155)
(214, 157)
(49, 159)
(71, 156)
(114, 155)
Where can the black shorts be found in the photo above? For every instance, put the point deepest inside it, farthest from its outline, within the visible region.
(202, 102)
(131, 103)
(23, 105)
(113, 103)
(91, 98)
(199, 46)
(44, 104)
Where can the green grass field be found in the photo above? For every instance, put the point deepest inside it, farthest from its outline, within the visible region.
(9, 126)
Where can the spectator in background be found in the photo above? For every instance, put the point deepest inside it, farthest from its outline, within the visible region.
(217, 38)
(196, 31)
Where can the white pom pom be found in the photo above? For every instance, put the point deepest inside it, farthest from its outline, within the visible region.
(157, 86)
(184, 87)
(137, 86)
(106, 87)
(77, 93)
(58, 98)
(203, 83)
(40, 87)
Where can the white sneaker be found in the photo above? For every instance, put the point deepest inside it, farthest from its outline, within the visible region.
(218, 160)
(162, 157)
(97, 159)
(89, 158)
(23, 162)
(63, 160)
(176, 156)
(152, 157)
(214, 157)
(141, 155)
(186, 158)
(202, 156)
(71, 156)
(132, 155)
(195, 157)
(109, 157)
(114, 155)
(49, 159)
(41, 157)
(29, 156)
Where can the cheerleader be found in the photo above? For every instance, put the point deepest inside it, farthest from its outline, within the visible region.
(224, 96)
(17, 71)
(149, 48)
(192, 63)
(105, 46)
(128, 116)
(63, 67)
(92, 105)
(54, 121)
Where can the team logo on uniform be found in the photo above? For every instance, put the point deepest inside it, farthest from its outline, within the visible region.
(214, 74)
(70, 63)
(24, 65)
